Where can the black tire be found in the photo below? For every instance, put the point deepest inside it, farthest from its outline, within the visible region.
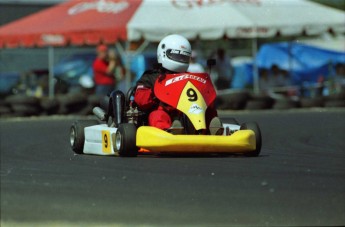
(125, 140)
(253, 126)
(77, 136)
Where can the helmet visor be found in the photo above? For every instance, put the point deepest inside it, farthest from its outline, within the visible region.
(178, 55)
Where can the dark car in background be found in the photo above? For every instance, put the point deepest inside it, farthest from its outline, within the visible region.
(75, 71)
(7, 82)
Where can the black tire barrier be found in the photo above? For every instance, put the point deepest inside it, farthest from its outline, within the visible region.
(22, 99)
(335, 103)
(72, 100)
(220, 104)
(94, 100)
(86, 110)
(312, 102)
(259, 102)
(256, 105)
(333, 97)
(26, 110)
(233, 101)
(5, 111)
(3, 103)
(83, 104)
(285, 104)
(50, 106)
(23, 106)
(71, 103)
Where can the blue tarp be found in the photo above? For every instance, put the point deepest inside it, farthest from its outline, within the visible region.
(305, 63)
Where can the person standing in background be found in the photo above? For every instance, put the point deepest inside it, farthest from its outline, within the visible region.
(103, 70)
(277, 76)
(223, 68)
(194, 66)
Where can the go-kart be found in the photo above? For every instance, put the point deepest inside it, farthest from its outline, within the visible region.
(123, 129)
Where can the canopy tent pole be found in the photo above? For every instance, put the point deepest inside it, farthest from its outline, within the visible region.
(291, 42)
(256, 85)
(51, 72)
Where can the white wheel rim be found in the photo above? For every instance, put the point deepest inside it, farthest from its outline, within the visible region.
(72, 136)
(118, 141)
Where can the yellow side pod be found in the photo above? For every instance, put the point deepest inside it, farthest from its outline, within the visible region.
(160, 141)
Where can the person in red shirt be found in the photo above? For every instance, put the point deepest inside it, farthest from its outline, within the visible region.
(103, 70)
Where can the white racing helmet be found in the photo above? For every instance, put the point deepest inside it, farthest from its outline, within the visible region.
(174, 52)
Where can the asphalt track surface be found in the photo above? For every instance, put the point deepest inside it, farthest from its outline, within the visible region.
(298, 180)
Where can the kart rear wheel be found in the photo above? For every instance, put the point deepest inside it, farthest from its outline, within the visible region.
(125, 140)
(254, 127)
(77, 136)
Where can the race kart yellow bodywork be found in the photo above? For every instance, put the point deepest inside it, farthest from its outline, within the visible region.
(159, 141)
(192, 94)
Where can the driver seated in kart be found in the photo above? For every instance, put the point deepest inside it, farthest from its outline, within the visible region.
(173, 55)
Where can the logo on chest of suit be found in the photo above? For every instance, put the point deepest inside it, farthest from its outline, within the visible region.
(185, 77)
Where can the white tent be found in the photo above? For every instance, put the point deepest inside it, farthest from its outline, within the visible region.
(214, 19)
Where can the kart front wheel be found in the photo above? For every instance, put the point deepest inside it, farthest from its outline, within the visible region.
(77, 137)
(255, 128)
(125, 140)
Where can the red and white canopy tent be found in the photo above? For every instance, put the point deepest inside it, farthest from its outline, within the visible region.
(89, 22)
